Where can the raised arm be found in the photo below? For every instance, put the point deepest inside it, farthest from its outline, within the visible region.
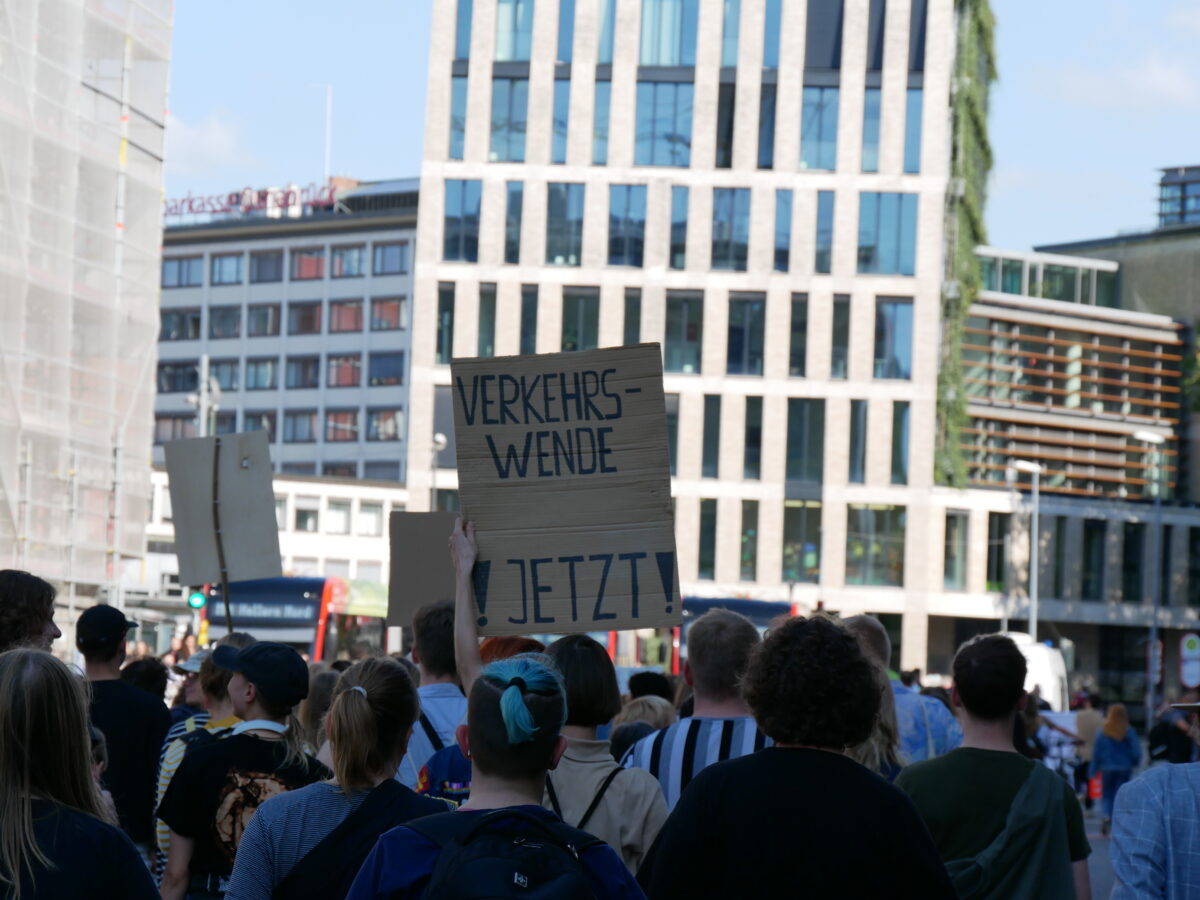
(463, 552)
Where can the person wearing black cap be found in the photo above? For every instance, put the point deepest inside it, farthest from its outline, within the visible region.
(219, 786)
(132, 721)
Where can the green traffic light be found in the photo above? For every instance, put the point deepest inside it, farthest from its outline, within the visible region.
(197, 599)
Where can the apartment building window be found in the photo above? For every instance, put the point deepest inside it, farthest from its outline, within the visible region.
(486, 345)
(857, 473)
(801, 541)
(345, 370)
(887, 233)
(341, 425)
(224, 322)
(752, 455)
(823, 35)
(458, 115)
(510, 111)
(706, 570)
(730, 16)
(772, 23)
(303, 372)
(385, 369)
(566, 29)
(512, 221)
(308, 514)
(564, 224)
(177, 377)
(912, 130)
(182, 271)
(308, 264)
(608, 27)
(1193, 558)
(225, 268)
(225, 372)
(672, 405)
(916, 35)
(805, 440)
(633, 316)
(1133, 562)
(348, 262)
(262, 374)
(387, 313)
(798, 346)
(445, 323)
(823, 264)
(685, 331)
(529, 316)
(875, 545)
(600, 121)
(997, 551)
(561, 113)
(747, 323)
(766, 125)
(300, 468)
(893, 337)
(180, 325)
(749, 545)
(225, 423)
(731, 228)
(345, 316)
(304, 317)
(390, 258)
(875, 22)
(461, 228)
(669, 32)
(580, 318)
(369, 521)
(954, 576)
(900, 435)
(818, 128)
(783, 229)
(840, 349)
(679, 215)
(711, 460)
(664, 124)
(174, 427)
(870, 134)
(299, 427)
(385, 424)
(1094, 558)
(462, 30)
(726, 101)
(260, 421)
(514, 30)
(266, 267)
(626, 224)
(337, 521)
(262, 319)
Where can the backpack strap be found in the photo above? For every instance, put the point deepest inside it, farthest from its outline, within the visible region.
(553, 797)
(599, 796)
(431, 733)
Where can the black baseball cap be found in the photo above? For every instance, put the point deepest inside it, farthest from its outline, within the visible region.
(275, 669)
(102, 624)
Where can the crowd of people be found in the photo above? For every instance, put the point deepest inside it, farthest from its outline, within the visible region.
(790, 764)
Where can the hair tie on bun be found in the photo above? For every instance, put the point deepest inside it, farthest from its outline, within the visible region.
(362, 690)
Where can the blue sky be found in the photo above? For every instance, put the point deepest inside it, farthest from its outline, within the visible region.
(1094, 96)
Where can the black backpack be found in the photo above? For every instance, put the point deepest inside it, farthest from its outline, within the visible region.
(506, 853)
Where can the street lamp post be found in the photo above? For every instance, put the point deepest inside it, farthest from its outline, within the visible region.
(1034, 469)
(1153, 439)
(439, 444)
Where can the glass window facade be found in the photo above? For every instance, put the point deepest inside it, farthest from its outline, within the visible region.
(348, 262)
(679, 216)
(914, 106)
(458, 115)
(1133, 562)
(387, 313)
(510, 111)
(752, 455)
(707, 567)
(747, 322)
(726, 101)
(529, 316)
(823, 263)
(308, 264)
(893, 338)
(600, 122)
(266, 267)
(798, 346)
(341, 425)
(857, 470)
(486, 344)
(385, 369)
(564, 224)
(731, 228)
(954, 577)
(766, 125)
(805, 440)
(672, 405)
(887, 234)
(566, 30)
(1094, 558)
(900, 439)
(875, 545)
(772, 23)
(731, 13)
(823, 34)
(462, 30)
(184, 324)
(840, 349)
(343, 370)
(783, 229)
(226, 268)
(224, 322)
(818, 128)
(870, 141)
(633, 316)
(300, 427)
(997, 551)
(384, 424)
(749, 544)
(512, 221)
(345, 316)
(303, 372)
(262, 374)
(711, 461)
(626, 224)
(685, 331)
(514, 30)
(183, 271)
(304, 317)
(608, 27)
(801, 541)
(580, 318)
(391, 258)
(664, 124)
(669, 32)
(562, 111)
(445, 324)
(461, 228)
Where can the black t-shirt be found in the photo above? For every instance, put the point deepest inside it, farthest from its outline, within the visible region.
(83, 851)
(134, 724)
(218, 788)
(795, 823)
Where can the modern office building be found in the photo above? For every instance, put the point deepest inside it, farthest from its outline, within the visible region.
(298, 301)
(81, 147)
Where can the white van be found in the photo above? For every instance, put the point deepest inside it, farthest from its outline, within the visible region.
(1047, 671)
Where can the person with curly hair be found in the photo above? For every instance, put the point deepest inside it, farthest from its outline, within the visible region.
(26, 611)
(799, 818)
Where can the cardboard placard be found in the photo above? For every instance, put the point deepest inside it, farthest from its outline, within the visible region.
(421, 570)
(563, 467)
(246, 508)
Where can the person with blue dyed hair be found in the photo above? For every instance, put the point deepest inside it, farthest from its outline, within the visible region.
(502, 842)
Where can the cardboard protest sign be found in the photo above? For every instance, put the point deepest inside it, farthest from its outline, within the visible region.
(563, 467)
(421, 568)
(245, 509)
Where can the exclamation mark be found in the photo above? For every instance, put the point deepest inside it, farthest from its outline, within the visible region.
(483, 569)
(666, 572)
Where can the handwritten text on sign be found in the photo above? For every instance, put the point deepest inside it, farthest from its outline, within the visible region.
(562, 462)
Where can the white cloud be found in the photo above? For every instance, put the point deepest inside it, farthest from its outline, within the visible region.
(204, 149)
(1150, 85)
(1185, 17)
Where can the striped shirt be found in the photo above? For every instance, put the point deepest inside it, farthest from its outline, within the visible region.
(182, 727)
(681, 751)
(445, 708)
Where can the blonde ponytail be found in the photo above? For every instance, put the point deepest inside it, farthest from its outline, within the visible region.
(374, 706)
